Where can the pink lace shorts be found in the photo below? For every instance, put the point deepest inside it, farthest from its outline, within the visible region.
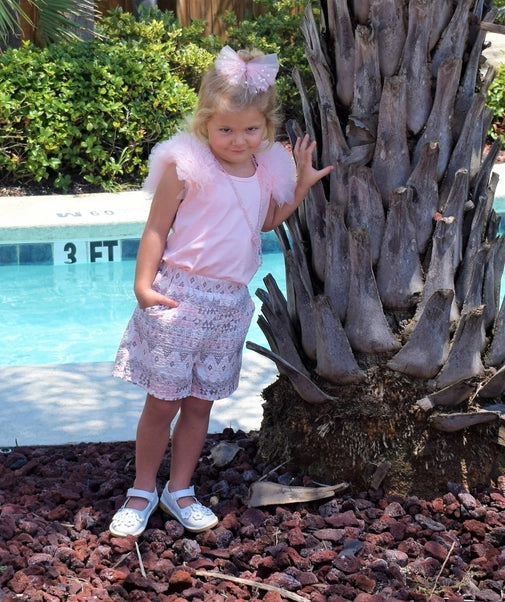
(194, 349)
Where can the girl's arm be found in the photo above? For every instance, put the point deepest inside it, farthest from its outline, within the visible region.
(307, 177)
(152, 244)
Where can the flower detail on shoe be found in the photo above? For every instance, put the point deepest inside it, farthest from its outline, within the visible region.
(194, 518)
(128, 521)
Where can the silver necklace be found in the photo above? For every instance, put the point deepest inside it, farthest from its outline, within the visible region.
(255, 231)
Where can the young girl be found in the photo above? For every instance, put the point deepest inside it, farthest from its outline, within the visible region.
(215, 188)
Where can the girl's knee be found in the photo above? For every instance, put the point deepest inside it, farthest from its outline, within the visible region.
(162, 407)
(196, 406)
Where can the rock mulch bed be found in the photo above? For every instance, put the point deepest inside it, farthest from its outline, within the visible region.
(56, 503)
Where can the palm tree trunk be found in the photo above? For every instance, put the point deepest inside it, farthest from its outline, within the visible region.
(391, 340)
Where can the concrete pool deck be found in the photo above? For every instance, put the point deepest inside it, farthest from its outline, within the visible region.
(73, 403)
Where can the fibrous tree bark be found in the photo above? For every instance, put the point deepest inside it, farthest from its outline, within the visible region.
(390, 342)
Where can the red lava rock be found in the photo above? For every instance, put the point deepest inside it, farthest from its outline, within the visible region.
(40, 559)
(252, 516)
(19, 583)
(436, 550)
(398, 530)
(114, 574)
(334, 535)
(453, 509)
(428, 567)
(498, 500)
(304, 577)
(345, 519)
(296, 537)
(230, 521)
(273, 597)
(362, 597)
(468, 501)
(7, 527)
(394, 509)
(56, 504)
(380, 540)
(363, 582)
(297, 560)
(475, 527)
(397, 557)
(60, 513)
(284, 581)
(180, 580)
(347, 564)
(322, 556)
(174, 529)
(122, 545)
(201, 563)
(187, 549)
(264, 565)
(437, 505)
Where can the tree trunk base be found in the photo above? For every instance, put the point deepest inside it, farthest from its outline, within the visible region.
(376, 439)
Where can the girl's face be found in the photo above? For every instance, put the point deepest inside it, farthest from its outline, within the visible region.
(234, 137)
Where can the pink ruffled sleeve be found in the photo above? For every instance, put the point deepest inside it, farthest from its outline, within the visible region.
(193, 160)
(278, 172)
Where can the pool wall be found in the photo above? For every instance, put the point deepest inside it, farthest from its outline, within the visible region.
(68, 229)
(499, 207)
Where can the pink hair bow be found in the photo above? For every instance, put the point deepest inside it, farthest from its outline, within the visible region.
(256, 75)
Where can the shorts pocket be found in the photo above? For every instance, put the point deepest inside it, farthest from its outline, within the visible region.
(155, 310)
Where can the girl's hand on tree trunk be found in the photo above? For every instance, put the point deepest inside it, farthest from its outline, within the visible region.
(308, 175)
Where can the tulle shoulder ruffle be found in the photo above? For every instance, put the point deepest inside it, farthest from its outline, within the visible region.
(194, 161)
(277, 169)
(197, 166)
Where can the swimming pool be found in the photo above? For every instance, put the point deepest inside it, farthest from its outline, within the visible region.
(76, 312)
(58, 314)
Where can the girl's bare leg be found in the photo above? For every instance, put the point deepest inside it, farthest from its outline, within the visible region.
(188, 439)
(153, 435)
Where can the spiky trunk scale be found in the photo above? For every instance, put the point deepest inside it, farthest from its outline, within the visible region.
(403, 293)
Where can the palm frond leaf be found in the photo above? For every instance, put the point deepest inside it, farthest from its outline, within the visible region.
(56, 19)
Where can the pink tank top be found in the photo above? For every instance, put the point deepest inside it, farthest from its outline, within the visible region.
(216, 231)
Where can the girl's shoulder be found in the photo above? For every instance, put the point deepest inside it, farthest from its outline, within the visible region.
(277, 167)
(194, 161)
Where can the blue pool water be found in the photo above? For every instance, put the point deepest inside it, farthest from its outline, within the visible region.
(77, 313)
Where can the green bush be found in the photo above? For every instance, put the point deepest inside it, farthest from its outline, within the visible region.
(93, 110)
(194, 51)
(496, 102)
(500, 5)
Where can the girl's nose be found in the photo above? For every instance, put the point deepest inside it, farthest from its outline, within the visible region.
(238, 138)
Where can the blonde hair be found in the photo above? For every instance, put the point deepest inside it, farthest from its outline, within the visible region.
(218, 95)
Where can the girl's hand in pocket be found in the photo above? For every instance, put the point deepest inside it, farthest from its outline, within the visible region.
(150, 297)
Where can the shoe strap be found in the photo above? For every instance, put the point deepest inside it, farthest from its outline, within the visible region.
(190, 492)
(146, 495)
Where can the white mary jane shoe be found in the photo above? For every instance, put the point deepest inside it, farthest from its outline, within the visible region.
(128, 521)
(194, 518)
